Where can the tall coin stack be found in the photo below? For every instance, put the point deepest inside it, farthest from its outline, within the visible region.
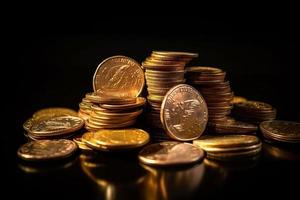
(117, 83)
(163, 70)
(216, 91)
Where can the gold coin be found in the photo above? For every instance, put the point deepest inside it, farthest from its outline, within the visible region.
(140, 101)
(226, 141)
(47, 150)
(184, 113)
(48, 113)
(78, 140)
(175, 54)
(204, 69)
(119, 75)
(238, 99)
(105, 98)
(27, 124)
(56, 126)
(170, 153)
(119, 138)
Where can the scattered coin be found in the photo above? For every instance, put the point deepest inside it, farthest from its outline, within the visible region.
(170, 153)
(42, 150)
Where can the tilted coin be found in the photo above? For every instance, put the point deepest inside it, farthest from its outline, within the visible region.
(57, 125)
(119, 76)
(184, 113)
(238, 99)
(78, 140)
(170, 153)
(140, 101)
(41, 150)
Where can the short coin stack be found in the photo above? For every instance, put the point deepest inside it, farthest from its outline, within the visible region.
(254, 111)
(230, 147)
(216, 91)
(53, 123)
(163, 70)
(281, 131)
(111, 113)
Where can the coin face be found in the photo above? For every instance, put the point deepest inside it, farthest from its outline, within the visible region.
(170, 153)
(282, 128)
(184, 113)
(119, 76)
(57, 125)
(47, 150)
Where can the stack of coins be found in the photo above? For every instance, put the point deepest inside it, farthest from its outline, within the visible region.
(230, 147)
(254, 112)
(52, 123)
(110, 113)
(217, 93)
(114, 140)
(163, 70)
(281, 131)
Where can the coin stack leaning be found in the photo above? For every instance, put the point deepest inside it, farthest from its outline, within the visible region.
(281, 131)
(163, 70)
(217, 93)
(254, 112)
(110, 113)
(230, 147)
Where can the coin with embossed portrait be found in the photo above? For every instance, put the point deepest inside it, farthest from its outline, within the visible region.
(170, 153)
(184, 113)
(41, 150)
(119, 76)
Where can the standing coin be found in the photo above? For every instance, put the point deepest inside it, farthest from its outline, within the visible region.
(184, 113)
(170, 153)
(41, 150)
(119, 76)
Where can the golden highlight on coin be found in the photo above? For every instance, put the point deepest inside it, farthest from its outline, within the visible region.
(119, 76)
(42, 150)
(184, 113)
(170, 153)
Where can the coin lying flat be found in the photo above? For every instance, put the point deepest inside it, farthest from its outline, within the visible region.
(119, 76)
(184, 113)
(56, 126)
(230, 147)
(41, 150)
(232, 126)
(282, 131)
(116, 139)
(170, 153)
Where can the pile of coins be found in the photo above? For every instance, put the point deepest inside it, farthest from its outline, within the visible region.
(281, 131)
(53, 123)
(254, 111)
(216, 91)
(230, 147)
(163, 70)
(110, 113)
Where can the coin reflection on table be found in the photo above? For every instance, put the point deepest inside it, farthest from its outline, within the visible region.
(281, 152)
(172, 183)
(37, 168)
(110, 173)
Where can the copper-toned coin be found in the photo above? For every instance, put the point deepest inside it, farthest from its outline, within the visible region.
(184, 113)
(48, 113)
(170, 153)
(41, 150)
(119, 76)
(27, 124)
(57, 126)
(204, 69)
(254, 105)
(284, 131)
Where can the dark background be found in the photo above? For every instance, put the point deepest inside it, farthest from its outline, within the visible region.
(52, 63)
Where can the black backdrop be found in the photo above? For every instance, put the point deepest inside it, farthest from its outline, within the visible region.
(52, 64)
